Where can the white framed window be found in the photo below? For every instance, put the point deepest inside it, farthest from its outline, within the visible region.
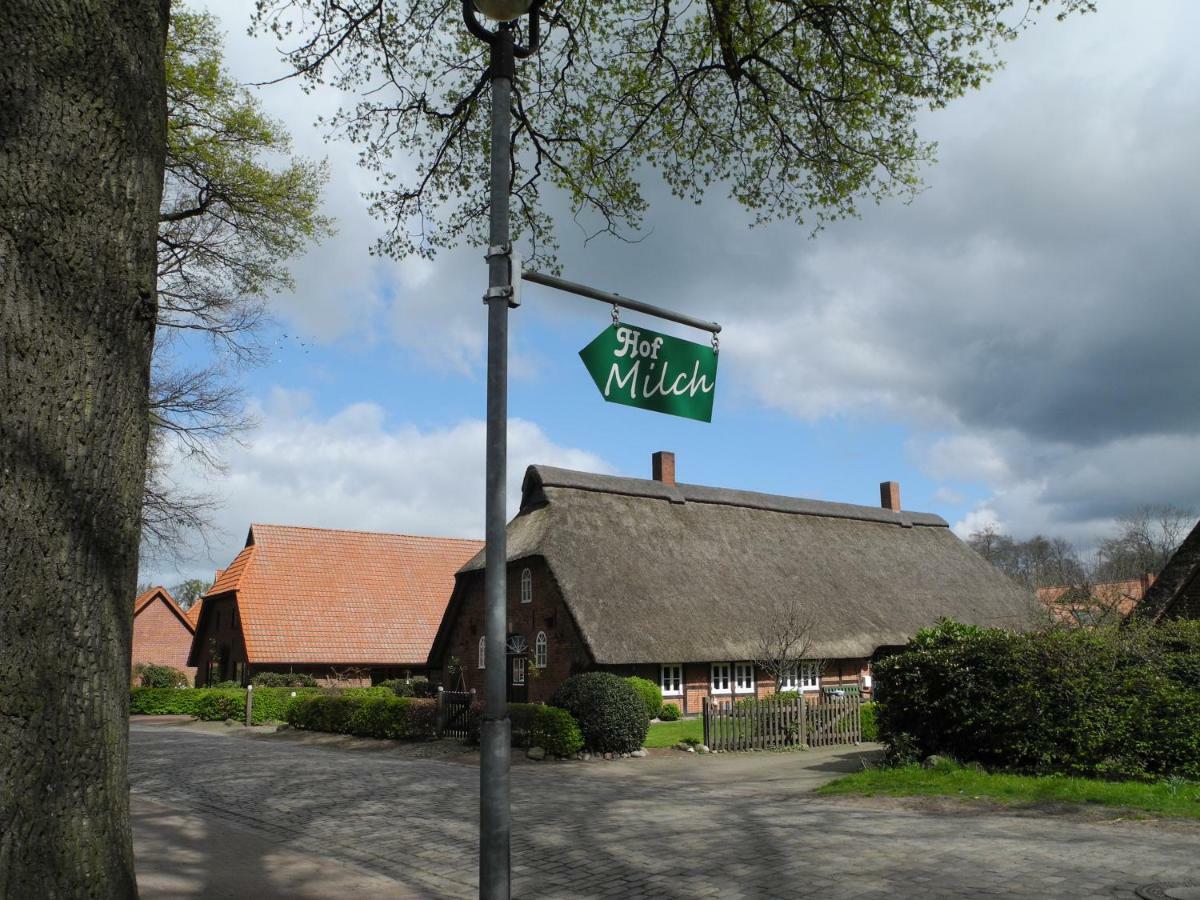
(743, 676)
(540, 650)
(482, 651)
(719, 681)
(670, 679)
(526, 586)
(805, 677)
(518, 670)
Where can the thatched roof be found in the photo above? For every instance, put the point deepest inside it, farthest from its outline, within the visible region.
(1177, 587)
(657, 572)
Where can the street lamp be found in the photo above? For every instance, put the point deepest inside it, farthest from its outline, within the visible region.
(503, 10)
(495, 740)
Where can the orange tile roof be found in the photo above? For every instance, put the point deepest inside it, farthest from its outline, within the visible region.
(1121, 596)
(193, 611)
(315, 595)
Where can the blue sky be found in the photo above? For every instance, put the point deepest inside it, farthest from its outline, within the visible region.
(1016, 346)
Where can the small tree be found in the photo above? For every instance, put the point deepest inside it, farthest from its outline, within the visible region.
(784, 640)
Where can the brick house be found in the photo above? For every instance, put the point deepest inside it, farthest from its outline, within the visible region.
(675, 583)
(1094, 604)
(162, 632)
(1175, 594)
(350, 606)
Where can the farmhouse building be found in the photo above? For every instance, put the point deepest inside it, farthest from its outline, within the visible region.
(345, 606)
(162, 632)
(1097, 604)
(678, 582)
(1176, 592)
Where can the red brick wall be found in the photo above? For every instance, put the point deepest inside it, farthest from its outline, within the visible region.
(160, 638)
(566, 654)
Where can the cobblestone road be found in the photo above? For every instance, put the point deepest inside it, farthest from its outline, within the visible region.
(579, 834)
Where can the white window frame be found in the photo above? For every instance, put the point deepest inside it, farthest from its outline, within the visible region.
(518, 671)
(482, 651)
(670, 679)
(720, 674)
(740, 670)
(805, 677)
(526, 586)
(541, 651)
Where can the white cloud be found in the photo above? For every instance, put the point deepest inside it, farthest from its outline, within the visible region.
(353, 470)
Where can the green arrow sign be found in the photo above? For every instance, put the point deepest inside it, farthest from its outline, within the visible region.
(642, 368)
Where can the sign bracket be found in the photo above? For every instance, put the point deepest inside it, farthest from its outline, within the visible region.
(616, 300)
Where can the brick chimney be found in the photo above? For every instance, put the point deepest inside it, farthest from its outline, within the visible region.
(889, 495)
(662, 464)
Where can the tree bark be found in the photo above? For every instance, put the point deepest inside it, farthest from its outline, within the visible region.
(82, 144)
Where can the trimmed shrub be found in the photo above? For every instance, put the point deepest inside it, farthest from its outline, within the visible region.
(219, 705)
(611, 713)
(150, 675)
(165, 701)
(410, 687)
(669, 712)
(556, 731)
(548, 727)
(1115, 703)
(380, 715)
(225, 686)
(283, 680)
(650, 692)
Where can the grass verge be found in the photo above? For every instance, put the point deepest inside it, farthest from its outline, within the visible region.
(668, 734)
(1173, 798)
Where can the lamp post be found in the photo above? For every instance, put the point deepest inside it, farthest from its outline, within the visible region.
(495, 728)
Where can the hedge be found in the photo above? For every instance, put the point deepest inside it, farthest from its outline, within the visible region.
(1119, 702)
(611, 713)
(362, 714)
(214, 704)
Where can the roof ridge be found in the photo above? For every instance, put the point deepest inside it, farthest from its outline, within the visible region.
(683, 492)
(421, 537)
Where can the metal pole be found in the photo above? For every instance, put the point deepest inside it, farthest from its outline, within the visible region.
(572, 287)
(494, 739)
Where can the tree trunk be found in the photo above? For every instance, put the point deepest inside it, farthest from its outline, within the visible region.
(82, 142)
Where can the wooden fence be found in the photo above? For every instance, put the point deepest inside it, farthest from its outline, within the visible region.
(777, 724)
(454, 713)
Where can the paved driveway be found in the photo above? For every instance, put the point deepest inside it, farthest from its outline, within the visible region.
(391, 827)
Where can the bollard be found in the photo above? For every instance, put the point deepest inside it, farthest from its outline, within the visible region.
(249, 704)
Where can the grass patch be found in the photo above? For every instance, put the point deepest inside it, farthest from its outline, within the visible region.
(1174, 797)
(668, 734)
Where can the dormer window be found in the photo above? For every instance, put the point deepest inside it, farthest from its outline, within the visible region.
(526, 586)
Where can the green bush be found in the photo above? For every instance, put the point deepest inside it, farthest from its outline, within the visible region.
(214, 704)
(283, 680)
(548, 727)
(165, 701)
(1109, 702)
(218, 705)
(867, 723)
(556, 731)
(611, 713)
(420, 686)
(378, 715)
(650, 692)
(669, 712)
(150, 675)
(226, 686)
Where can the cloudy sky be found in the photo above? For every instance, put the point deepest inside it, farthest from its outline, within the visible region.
(1017, 346)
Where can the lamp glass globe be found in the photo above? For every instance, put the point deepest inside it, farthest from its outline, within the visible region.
(503, 10)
